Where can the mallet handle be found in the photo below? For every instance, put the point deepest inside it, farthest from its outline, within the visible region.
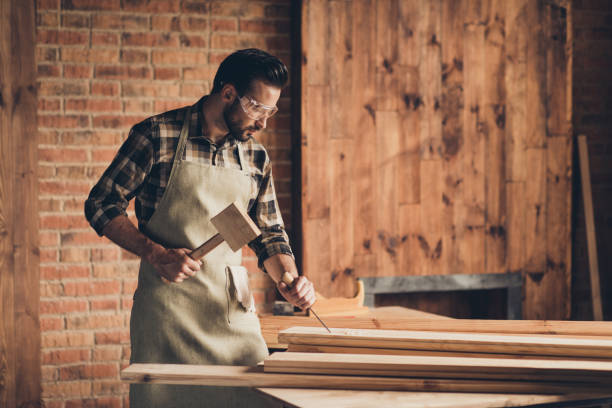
(206, 247)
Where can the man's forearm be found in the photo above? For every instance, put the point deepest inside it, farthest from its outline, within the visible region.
(122, 232)
(278, 264)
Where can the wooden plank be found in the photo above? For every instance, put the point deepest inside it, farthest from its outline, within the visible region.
(439, 367)
(341, 279)
(494, 118)
(535, 217)
(340, 65)
(387, 68)
(315, 59)
(307, 348)
(20, 360)
(430, 73)
(240, 376)
(387, 208)
(536, 75)
(305, 398)
(431, 206)
(587, 198)
(422, 340)
(363, 112)
(470, 211)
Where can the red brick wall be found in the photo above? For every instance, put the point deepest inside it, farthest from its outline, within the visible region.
(592, 107)
(104, 65)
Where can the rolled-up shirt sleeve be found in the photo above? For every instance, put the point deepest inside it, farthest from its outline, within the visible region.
(267, 215)
(122, 179)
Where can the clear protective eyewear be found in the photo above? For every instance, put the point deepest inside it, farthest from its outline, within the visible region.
(256, 110)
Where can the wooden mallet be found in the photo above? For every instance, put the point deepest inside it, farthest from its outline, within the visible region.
(235, 227)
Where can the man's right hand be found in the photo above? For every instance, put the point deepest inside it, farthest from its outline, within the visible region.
(175, 265)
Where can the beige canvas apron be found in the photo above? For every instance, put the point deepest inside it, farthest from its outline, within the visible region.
(200, 320)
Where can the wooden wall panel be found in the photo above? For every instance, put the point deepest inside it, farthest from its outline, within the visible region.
(20, 372)
(437, 141)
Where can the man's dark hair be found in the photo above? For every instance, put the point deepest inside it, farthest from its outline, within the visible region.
(244, 66)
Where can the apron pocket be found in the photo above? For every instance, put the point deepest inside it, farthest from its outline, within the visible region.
(240, 282)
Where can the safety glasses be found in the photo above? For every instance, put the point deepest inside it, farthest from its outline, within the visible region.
(256, 110)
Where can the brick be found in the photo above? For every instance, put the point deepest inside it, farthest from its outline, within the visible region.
(48, 374)
(165, 23)
(90, 137)
(65, 389)
(90, 5)
(75, 204)
(62, 88)
(94, 321)
(67, 339)
(206, 72)
(114, 122)
(87, 371)
(179, 57)
(237, 9)
(278, 43)
(224, 41)
(129, 286)
(223, 24)
(89, 55)
(104, 38)
(65, 356)
(113, 337)
(51, 323)
(114, 387)
(149, 39)
(134, 89)
(127, 303)
(51, 289)
(151, 6)
(56, 155)
(91, 288)
(49, 204)
(164, 106)
(62, 306)
(48, 70)
(167, 73)
(81, 238)
(105, 88)
(134, 56)
(105, 254)
(104, 304)
(48, 238)
(60, 187)
(215, 58)
(77, 71)
(195, 6)
(93, 105)
(128, 256)
(78, 255)
(47, 19)
(192, 23)
(137, 106)
(194, 89)
(106, 353)
(76, 20)
(64, 272)
(64, 222)
(48, 255)
(277, 11)
(124, 22)
(265, 26)
(47, 4)
(103, 155)
(49, 105)
(72, 173)
(46, 53)
(122, 72)
(62, 37)
(193, 40)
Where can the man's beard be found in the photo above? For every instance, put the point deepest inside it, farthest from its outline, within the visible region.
(236, 132)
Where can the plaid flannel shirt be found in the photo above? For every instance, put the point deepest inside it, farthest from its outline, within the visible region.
(142, 166)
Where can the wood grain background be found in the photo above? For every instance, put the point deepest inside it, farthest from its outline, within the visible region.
(436, 139)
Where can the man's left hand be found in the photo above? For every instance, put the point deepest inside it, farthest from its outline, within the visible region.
(301, 293)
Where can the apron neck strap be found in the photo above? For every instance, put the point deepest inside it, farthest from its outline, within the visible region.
(181, 143)
(241, 156)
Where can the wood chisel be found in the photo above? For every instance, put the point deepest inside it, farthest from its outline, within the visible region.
(288, 279)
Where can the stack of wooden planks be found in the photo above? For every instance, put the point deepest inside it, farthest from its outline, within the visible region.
(497, 362)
